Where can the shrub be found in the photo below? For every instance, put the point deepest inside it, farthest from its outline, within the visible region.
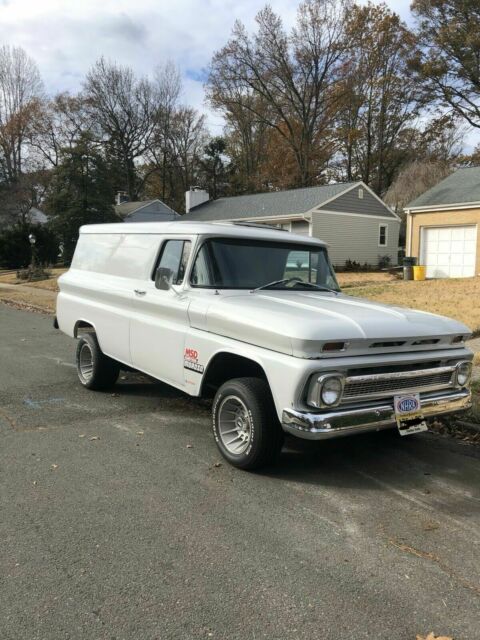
(37, 273)
(384, 262)
(352, 265)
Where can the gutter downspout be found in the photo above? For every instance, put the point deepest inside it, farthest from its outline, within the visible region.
(409, 233)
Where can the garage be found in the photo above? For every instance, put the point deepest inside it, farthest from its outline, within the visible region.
(449, 252)
(442, 226)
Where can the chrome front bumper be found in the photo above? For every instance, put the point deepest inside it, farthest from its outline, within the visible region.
(344, 422)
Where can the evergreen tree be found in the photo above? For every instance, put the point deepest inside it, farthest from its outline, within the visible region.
(81, 193)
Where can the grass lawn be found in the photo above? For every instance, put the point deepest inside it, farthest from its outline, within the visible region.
(10, 277)
(457, 298)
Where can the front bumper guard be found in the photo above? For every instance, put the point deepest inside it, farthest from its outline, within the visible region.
(344, 422)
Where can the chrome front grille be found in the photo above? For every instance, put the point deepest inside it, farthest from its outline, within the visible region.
(388, 384)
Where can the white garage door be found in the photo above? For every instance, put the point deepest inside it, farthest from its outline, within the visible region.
(449, 252)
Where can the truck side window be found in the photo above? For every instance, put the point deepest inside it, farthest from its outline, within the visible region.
(174, 256)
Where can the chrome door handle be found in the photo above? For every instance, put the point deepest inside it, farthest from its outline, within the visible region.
(140, 292)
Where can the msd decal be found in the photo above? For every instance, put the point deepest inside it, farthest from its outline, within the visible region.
(190, 361)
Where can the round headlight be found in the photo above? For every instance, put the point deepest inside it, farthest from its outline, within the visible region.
(464, 371)
(331, 391)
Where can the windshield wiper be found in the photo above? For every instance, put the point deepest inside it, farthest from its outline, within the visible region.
(272, 284)
(319, 287)
(296, 281)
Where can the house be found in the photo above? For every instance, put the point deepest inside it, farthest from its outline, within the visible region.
(349, 217)
(442, 226)
(145, 211)
(36, 216)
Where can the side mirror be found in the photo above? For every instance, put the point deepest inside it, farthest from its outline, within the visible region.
(163, 278)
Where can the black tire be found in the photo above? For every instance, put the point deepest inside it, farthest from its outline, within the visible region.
(104, 371)
(266, 436)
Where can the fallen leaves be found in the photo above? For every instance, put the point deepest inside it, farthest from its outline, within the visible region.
(460, 429)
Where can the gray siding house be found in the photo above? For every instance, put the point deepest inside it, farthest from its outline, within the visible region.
(355, 223)
(145, 211)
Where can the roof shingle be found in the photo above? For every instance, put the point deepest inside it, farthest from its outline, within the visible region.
(272, 203)
(127, 208)
(461, 187)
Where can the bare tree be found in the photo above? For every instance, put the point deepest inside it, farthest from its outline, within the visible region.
(380, 96)
(188, 138)
(434, 152)
(125, 108)
(61, 124)
(293, 75)
(246, 135)
(416, 178)
(448, 56)
(20, 90)
(168, 86)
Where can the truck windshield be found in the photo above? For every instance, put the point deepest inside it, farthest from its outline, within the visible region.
(238, 263)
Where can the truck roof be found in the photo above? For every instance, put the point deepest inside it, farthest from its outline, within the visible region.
(237, 230)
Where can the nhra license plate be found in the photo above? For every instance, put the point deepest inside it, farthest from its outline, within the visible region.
(408, 414)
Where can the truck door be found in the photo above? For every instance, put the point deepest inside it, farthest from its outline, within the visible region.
(160, 319)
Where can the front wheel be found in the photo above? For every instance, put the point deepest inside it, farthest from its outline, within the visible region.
(95, 370)
(245, 425)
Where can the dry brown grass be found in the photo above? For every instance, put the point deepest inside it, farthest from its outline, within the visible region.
(456, 298)
(10, 277)
(359, 278)
(26, 297)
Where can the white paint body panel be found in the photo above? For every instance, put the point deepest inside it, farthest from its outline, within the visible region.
(282, 331)
(449, 252)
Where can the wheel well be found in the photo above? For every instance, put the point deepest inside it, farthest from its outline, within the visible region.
(226, 366)
(82, 326)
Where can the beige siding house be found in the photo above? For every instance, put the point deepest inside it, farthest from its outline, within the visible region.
(356, 224)
(442, 226)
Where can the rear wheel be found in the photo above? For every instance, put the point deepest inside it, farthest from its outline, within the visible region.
(245, 423)
(95, 370)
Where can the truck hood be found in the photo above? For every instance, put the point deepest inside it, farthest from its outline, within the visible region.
(300, 322)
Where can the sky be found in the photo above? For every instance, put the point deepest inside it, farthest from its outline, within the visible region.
(65, 37)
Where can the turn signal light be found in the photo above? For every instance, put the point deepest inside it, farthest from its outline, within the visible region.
(333, 346)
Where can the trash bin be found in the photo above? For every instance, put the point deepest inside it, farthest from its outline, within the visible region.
(418, 272)
(408, 263)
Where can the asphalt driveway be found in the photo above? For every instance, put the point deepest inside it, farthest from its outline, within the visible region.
(119, 520)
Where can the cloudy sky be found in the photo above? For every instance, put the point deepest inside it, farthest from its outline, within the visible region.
(66, 36)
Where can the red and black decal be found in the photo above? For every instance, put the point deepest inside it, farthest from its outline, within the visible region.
(190, 361)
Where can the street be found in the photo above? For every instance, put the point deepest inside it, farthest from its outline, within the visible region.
(120, 520)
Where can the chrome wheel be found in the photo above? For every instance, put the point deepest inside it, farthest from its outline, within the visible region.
(85, 363)
(234, 425)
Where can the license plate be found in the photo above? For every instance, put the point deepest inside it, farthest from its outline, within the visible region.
(408, 413)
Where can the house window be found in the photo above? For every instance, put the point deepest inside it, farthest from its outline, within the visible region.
(360, 193)
(382, 235)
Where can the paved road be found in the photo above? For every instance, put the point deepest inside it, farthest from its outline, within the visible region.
(112, 527)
